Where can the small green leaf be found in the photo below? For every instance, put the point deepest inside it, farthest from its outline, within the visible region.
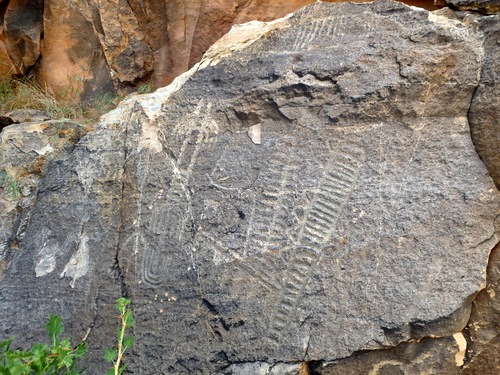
(110, 354)
(54, 327)
(6, 343)
(80, 350)
(121, 369)
(129, 341)
(111, 371)
(129, 320)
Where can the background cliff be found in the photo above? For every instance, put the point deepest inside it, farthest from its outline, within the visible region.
(117, 45)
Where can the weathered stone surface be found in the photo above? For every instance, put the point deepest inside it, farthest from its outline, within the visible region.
(263, 368)
(300, 195)
(482, 330)
(21, 27)
(91, 47)
(72, 63)
(483, 6)
(443, 356)
(484, 113)
(25, 148)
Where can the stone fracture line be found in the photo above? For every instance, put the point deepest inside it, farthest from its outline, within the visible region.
(321, 220)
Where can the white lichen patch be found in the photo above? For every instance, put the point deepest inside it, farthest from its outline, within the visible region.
(45, 265)
(79, 263)
(149, 139)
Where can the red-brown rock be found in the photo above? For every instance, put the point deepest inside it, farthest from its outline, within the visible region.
(91, 47)
(20, 33)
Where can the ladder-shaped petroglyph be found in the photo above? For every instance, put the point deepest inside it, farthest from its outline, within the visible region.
(321, 220)
(266, 230)
(310, 32)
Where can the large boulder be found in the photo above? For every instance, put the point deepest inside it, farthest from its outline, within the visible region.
(299, 195)
(27, 146)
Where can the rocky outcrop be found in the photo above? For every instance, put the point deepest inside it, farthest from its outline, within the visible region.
(483, 6)
(21, 29)
(92, 47)
(300, 195)
(31, 142)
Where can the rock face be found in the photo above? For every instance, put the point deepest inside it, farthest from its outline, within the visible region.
(300, 195)
(26, 147)
(484, 339)
(21, 27)
(73, 64)
(93, 47)
(485, 107)
(483, 6)
(442, 356)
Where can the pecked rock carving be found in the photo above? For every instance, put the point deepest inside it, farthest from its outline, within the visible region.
(300, 195)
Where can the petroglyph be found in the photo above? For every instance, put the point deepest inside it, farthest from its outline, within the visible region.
(319, 30)
(177, 203)
(321, 221)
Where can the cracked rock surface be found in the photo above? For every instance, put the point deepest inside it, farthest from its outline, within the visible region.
(27, 145)
(300, 195)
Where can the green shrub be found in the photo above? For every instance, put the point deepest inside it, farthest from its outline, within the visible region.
(60, 358)
(57, 358)
(115, 355)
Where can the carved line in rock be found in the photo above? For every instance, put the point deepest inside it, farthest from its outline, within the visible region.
(177, 203)
(331, 196)
(266, 232)
(329, 27)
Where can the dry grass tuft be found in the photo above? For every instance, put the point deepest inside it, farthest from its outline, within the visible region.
(26, 93)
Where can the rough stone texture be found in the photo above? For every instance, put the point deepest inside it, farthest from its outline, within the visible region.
(482, 330)
(72, 64)
(25, 148)
(91, 47)
(484, 113)
(483, 6)
(21, 27)
(263, 368)
(442, 356)
(300, 195)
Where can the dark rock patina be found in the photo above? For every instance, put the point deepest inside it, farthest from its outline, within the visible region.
(301, 194)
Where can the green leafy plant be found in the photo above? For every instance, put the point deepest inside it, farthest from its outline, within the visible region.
(9, 185)
(115, 355)
(145, 89)
(55, 359)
